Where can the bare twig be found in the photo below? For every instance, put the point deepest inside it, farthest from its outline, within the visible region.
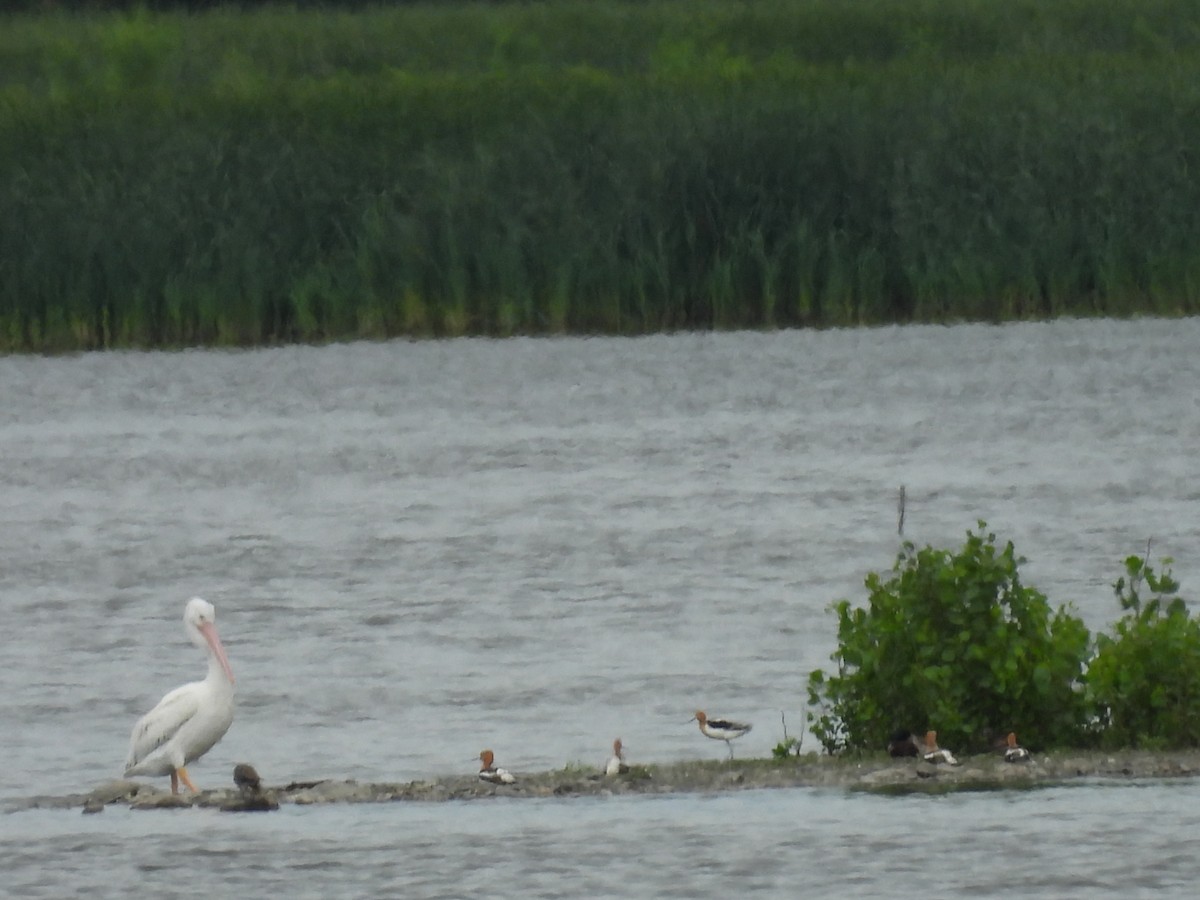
(1133, 583)
(900, 525)
(788, 742)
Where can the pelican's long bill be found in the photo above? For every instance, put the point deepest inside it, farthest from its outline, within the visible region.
(209, 631)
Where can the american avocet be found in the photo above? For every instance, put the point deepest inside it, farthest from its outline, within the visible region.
(616, 765)
(720, 729)
(902, 743)
(492, 773)
(188, 721)
(1013, 752)
(932, 753)
(246, 778)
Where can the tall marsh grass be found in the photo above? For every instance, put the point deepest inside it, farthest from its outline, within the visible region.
(618, 167)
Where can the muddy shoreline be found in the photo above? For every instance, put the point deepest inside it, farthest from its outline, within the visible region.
(872, 774)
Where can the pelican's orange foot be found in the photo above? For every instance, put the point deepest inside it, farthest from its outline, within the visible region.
(183, 775)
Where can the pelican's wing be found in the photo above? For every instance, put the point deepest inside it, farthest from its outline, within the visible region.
(162, 723)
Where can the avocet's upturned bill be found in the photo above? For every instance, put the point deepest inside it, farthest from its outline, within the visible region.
(188, 721)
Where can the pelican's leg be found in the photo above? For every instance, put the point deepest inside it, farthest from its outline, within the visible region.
(184, 777)
(174, 782)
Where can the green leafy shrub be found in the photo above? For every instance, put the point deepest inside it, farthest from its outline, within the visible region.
(956, 643)
(1145, 678)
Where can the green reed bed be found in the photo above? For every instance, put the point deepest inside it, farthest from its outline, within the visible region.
(239, 178)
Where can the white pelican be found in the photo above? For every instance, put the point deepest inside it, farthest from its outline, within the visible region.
(188, 721)
(616, 765)
(490, 772)
(720, 729)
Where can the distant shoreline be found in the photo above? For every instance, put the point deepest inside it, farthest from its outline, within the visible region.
(236, 177)
(872, 774)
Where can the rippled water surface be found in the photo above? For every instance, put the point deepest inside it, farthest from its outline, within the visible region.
(420, 549)
(1053, 843)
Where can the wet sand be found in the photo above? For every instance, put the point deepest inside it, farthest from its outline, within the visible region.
(877, 774)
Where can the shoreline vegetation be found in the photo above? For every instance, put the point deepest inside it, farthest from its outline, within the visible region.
(276, 175)
(871, 773)
(955, 641)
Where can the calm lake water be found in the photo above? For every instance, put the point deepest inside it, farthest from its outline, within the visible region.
(417, 550)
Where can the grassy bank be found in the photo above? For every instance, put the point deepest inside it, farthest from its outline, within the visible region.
(239, 178)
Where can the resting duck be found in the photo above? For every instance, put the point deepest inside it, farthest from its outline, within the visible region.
(246, 778)
(902, 743)
(616, 765)
(489, 772)
(932, 753)
(252, 796)
(1013, 752)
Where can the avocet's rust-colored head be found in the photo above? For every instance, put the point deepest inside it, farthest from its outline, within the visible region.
(487, 758)
(931, 739)
(617, 747)
(1012, 739)
(700, 716)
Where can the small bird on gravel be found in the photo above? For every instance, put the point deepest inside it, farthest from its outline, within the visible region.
(253, 798)
(246, 778)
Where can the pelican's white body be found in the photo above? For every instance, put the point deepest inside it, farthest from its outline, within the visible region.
(189, 720)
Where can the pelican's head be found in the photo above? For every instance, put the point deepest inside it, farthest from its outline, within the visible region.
(197, 612)
(200, 620)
